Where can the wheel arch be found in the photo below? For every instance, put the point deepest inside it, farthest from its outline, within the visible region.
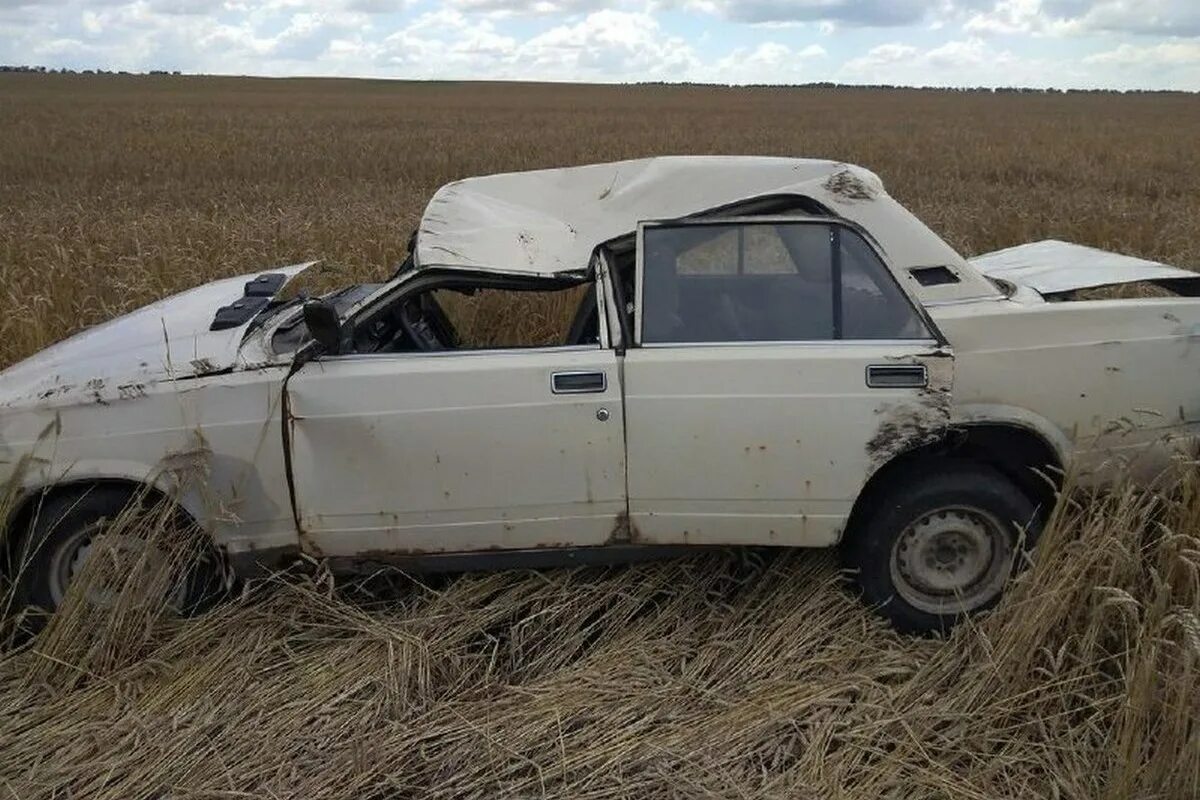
(1017, 450)
(22, 512)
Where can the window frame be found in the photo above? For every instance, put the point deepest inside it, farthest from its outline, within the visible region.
(614, 321)
(837, 225)
(420, 282)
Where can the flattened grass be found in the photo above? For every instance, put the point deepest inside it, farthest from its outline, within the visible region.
(728, 674)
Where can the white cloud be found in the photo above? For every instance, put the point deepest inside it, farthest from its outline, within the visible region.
(378, 6)
(881, 56)
(769, 62)
(1161, 17)
(1138, 17)
(1174, 53)
(309, 34)
(930, 42)
(868, 13)
(1009, 17)
(966, 62)
(878, 13)
(608, 44)
(502, 8)
(436, 44)
(604, 45)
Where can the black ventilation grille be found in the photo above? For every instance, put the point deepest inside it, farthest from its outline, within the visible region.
(238, 313)
(934, 276)
(257, 296)
(265, 285)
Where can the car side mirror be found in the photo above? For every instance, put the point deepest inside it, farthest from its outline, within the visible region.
(324, 325)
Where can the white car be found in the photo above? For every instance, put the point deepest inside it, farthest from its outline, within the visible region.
(766, 351)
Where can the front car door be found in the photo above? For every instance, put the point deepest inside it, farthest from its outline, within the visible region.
(778, 362)
(418, 453)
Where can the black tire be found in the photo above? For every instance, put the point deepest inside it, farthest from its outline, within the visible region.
(924, 534)
(60, 519)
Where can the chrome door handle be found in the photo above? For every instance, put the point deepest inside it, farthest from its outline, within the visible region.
(585, 382)
(897, 376)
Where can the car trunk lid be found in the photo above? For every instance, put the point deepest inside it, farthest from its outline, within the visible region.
(1053, 267)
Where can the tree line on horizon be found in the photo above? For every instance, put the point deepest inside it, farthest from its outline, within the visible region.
(42, 70)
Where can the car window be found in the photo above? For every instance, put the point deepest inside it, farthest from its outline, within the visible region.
(873, 307)
(461, 316)
(761, 282)
(499, 318)
(716, 251)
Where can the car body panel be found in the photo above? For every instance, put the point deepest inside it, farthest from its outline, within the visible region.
(213, 443)
(120, 359)
(156, 398)
(1117, 379)
(453, 451)
(1053, 267)
(768, 443)
(549, 222)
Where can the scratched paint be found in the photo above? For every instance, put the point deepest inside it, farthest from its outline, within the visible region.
(726, 445)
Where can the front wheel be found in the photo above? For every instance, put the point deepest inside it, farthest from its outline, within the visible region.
(70, 528)
(941, 544)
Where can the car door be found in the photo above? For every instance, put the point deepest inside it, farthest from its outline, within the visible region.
(779, 362)
(455, 451)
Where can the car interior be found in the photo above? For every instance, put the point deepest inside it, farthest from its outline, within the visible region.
(464, 317)
(706, 281)
(763, 282)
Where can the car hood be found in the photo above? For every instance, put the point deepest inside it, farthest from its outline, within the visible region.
(166, 340)
(1052, 267)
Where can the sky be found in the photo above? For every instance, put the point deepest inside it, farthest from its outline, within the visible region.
(1117, 44)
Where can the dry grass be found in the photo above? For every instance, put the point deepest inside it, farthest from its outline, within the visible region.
(729, 675)
(722, 675)
(491, 318)
(117, 190)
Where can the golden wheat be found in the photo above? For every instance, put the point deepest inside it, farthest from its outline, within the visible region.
(727, 674)
(115, 190)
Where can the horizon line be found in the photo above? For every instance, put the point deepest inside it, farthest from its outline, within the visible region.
(37, 69)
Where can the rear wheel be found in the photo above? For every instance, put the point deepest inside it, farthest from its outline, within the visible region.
(941, 544)
(72, 527)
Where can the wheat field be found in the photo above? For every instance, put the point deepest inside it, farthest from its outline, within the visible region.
(736, 674)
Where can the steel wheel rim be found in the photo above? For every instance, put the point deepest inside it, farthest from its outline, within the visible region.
(65, 562)
(69, 558)
(952, 560)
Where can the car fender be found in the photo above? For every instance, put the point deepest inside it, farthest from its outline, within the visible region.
(1016, 416)
(137, 475)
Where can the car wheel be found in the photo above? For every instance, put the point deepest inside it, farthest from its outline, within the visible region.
(71, 527)
(941, 544)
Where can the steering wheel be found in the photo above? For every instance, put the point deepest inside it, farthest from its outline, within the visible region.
(417, 328)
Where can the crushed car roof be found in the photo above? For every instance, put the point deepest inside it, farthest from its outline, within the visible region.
(548, 222)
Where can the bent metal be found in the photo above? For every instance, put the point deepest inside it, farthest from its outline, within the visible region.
(764, 351)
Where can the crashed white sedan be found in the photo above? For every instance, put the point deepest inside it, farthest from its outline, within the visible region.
(765, 351)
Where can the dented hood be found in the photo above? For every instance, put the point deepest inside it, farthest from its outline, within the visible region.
(166, 340)
(1054, 267)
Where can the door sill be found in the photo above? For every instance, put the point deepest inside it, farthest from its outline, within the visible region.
(493, 560)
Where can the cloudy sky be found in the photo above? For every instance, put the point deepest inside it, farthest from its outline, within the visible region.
(1062, 43)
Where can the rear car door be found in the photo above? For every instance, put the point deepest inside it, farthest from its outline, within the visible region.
(778, 363)
(454, 451)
